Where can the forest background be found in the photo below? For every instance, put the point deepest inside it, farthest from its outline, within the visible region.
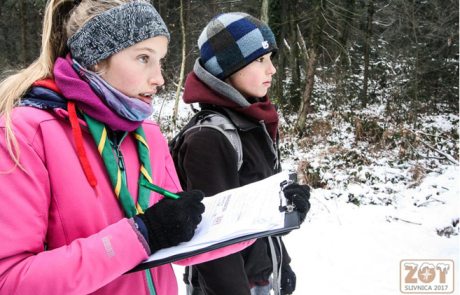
(400, 54)
(359, 83)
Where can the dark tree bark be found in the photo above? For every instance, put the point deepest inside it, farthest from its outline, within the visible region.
(370, 13)
(264, 11)
(343, 63)
(182, 68)
(315, 45)
(189, 43)
(276, 12)
(22, 7)
(345, 27)
(295, 50)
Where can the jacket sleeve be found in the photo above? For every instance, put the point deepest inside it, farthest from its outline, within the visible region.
(208, 161)
(81, 267)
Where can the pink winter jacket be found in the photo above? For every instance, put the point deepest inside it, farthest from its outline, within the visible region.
(90, 245)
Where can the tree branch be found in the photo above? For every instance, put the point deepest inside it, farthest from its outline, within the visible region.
(447, 156)
(399, 219)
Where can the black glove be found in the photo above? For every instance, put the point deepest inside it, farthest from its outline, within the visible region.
(299, 195)
(288, 280)
(170, 222)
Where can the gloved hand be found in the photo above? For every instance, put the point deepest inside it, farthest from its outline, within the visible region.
(299, 195)
(288, 280)
(170, 222)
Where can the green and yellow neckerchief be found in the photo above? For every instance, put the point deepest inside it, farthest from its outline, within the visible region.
(99, 133)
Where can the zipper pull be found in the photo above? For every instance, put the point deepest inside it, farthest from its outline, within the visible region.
(118, 151)
(121, 161)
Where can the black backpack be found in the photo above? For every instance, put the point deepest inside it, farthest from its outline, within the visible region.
(210, 119)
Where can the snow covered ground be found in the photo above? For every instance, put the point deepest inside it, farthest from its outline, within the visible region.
(346, 249)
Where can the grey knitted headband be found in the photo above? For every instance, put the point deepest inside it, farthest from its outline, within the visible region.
(115, 30)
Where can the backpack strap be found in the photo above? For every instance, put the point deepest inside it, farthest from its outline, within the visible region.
(216, 121)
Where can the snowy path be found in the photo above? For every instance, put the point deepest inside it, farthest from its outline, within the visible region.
(347, 259)
(345, 249)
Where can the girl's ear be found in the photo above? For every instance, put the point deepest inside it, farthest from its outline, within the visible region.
(101, 67)
(98, 69)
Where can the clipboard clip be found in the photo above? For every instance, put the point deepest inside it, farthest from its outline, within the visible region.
(289, 207)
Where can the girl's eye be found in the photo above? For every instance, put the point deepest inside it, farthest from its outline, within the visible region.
(143, 59)
(260, 59)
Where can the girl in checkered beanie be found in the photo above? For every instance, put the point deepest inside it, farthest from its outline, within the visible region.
(232, 77)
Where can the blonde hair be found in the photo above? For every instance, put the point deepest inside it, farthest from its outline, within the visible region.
(61, 21)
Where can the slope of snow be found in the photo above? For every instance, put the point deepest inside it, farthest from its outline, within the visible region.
(347, 249)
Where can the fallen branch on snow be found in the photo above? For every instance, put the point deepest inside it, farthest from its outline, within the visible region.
(399, 219)
(447, 156)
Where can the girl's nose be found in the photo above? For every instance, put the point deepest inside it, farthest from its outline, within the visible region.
(156, 78)
(271, 68)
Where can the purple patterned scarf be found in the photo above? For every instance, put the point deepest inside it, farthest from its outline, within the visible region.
(129, 108)
(78, 90)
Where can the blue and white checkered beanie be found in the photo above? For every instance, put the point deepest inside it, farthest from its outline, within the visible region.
(233, 40)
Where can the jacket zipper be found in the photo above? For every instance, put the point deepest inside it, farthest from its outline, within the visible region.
(121, 165)
(119, 155)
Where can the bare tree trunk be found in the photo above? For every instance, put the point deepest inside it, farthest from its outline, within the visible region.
(305, 104)
(188, 47)
(213, 6)
(282, 56)
(277, 20)
(295, 50)
(315, 45)
(343, 63)
(415, 104)
(416, 68)
(370, 12)
(162, 8)
(22, 11)
(346, 25)
(264, 13)
(153, 2)
(182, 68)
(303, 48)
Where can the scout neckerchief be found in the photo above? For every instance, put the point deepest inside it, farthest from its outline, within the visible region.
(110, 162)
(99, 133)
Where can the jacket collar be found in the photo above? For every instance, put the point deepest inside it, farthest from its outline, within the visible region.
(238, 119)
(218, 85)
(44, 95)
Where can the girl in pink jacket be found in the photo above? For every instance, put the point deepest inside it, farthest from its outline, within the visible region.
(74, 144)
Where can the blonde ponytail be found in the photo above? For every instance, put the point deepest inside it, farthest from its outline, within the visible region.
(14, 87)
